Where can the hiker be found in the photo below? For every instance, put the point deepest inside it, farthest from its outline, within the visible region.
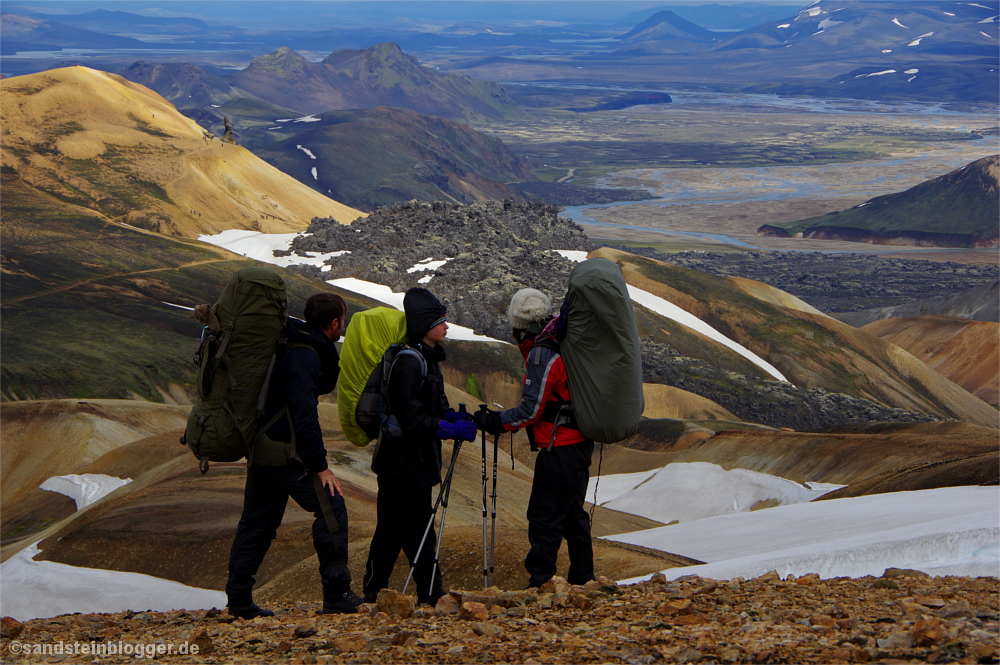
(409, 466)
(555, 507)
(307, 369)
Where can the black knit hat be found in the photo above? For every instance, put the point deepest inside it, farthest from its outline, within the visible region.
(423, 312)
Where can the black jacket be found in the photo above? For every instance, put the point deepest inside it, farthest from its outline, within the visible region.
(308, 369)
(418, 404)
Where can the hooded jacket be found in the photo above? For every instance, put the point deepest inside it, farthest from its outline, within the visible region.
(308, 369)
(545, 387)
(418, 402)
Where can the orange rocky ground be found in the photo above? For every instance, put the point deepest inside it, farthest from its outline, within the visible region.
(967, 352)
(894, 619)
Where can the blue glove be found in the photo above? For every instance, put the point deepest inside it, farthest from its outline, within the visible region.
(465, 430)
(457, 416)
(446, 430)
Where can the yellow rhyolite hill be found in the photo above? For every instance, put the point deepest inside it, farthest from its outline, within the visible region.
(97, 141)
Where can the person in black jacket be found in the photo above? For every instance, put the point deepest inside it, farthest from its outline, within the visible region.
(290, 461)
(409, 466)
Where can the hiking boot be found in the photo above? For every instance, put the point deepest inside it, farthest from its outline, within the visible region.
(370, 597)
(345, 603)
(250, 612)
(431, 600)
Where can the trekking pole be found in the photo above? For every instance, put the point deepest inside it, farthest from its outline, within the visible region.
(441, 498)
(482, 407)
(444, 512)
(493, 516)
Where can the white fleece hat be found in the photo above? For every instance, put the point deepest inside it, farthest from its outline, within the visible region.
(528, 306)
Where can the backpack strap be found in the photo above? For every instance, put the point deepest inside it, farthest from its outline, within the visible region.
(386, 375)
(324, 503)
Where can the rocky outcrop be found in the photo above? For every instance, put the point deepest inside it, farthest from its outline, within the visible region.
(494, 249)
(771, 403)
(981, 303)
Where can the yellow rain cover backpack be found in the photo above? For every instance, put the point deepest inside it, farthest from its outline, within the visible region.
(368, 337)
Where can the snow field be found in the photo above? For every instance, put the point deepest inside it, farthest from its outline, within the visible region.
(946, 531)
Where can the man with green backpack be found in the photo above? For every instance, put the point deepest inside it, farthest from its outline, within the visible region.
(289, 460)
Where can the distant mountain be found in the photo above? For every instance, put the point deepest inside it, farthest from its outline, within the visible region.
(188, 86)
(737, 16)
(383, 155)
(108, 21)
(885, 30)
(667, 25)
(23, 33)
(938, 50)
(379, 76)
(959, 209)
(969, 80)
(117, 151)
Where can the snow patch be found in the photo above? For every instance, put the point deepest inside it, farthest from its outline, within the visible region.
(785, 25)
(40, 589)
(992, 19)
(946, 531)
(947, 13)
(896, 21)
(911, 71)
(672, 311)
(887, 71)
(916, 42)
(315, 174)
(811, 12)
(86, 488)
(686, 492)
(885, 50)
(428, 264)
(307, 118)
(261, 247)
(577, 255)
(828, 23)
(307, 151)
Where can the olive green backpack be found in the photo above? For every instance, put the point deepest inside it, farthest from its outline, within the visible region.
(241, 338)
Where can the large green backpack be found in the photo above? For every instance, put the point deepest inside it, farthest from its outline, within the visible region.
(240, 339)
(601, 352)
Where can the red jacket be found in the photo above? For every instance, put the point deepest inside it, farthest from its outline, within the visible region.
(545, 386)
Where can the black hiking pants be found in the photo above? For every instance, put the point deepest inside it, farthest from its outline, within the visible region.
(264, 499)
(555, 511)
(403, 514)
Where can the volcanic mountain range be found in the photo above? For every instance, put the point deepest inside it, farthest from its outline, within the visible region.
(103, 203)
(348, 79)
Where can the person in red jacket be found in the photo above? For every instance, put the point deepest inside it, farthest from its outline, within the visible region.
(559, 488)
